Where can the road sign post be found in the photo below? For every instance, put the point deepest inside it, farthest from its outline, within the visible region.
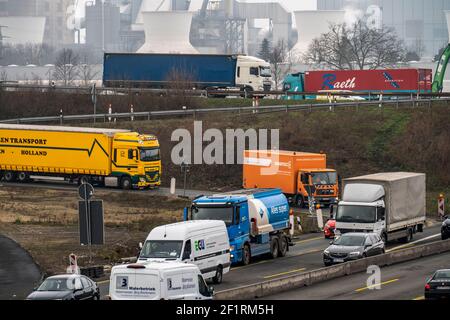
(91, 219)
(73, 265)
(441, 206)
(184, 170)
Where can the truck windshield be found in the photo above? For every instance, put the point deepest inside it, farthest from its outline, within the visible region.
(265, 72)
(149, 154)
(357, 214)
(320, 178)
(213, 213)
(161, 249)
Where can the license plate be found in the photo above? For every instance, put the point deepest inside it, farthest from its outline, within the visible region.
(443, 288)
(338, 260)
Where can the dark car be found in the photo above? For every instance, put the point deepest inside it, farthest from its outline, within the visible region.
(353, 246)
(438, 286)
(445, 229)
(66, 287)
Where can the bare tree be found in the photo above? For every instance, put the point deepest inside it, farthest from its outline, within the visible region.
(356, 47)
(66, 66)
(87, 71)
(281, 62)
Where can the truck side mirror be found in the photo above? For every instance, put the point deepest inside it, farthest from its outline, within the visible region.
(132, 154)
(185, 214)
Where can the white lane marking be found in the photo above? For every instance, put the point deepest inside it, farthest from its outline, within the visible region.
(414, 242)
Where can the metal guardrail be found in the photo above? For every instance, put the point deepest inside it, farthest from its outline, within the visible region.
(11, 86)
(148, 115)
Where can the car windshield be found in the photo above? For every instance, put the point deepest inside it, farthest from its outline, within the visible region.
(320, 178)
(217, 213)
(164, 249)
(265, 72)
(350, 240)
(60, 284)
(358, 214)
(442, 275)
(150, 154)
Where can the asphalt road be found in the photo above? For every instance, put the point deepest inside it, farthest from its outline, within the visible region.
(404, 281)
(18, 272)
(305, 256)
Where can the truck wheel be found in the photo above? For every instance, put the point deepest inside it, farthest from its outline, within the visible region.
(274, 248)
(384, 237)
(219, 275)
(283, 246)
(125, 183)
(9, 176)
(299, 201)
(408, 238)
(22, 177)
(83, 180)
(246, 255)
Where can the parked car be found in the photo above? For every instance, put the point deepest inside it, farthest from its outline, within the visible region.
(328, 229)
(438, 286)
(445, 229)
(66, 287)
(353, 246)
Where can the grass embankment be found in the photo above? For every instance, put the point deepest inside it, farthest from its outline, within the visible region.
(45, 222)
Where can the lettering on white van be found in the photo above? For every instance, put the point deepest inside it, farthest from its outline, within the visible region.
(122, 282)
(170, 285)
(199, 245)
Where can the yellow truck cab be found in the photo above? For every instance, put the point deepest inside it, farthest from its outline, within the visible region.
(110, 157)
(136, 160)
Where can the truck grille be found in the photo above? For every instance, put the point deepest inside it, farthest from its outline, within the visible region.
(152, 174)
(324, 192)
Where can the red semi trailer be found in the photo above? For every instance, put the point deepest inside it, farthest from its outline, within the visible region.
(389, 80)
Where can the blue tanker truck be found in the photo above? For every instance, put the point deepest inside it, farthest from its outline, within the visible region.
(258, 221)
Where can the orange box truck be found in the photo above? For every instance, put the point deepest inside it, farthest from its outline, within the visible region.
(298, 174)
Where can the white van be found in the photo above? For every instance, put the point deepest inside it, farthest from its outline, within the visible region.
(204, 243)
(158, 281)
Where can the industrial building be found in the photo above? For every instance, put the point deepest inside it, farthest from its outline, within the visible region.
(21, 17)
(420, 23)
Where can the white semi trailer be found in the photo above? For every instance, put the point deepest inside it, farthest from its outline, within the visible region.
(390, 204)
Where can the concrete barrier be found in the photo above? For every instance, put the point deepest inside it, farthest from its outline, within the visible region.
(287, 283)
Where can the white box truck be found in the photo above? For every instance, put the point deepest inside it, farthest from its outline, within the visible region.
(204, 243)
(158, 281)
(390, 204)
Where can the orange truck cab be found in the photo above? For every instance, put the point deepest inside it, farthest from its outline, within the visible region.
(298, 174)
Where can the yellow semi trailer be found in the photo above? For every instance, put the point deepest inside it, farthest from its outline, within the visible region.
(108, 157)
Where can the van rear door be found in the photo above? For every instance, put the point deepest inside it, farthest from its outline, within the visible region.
(135, 284)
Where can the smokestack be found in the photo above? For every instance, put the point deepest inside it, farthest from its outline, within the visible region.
(311, 24)
(447, 15)
(167, 32)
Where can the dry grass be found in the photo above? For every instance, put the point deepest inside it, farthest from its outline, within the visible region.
(45, 222)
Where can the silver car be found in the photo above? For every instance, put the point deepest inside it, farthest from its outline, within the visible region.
(353, 246)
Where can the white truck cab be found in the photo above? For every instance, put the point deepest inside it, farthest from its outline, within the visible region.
(158, 281)
(204, 243)
(391, 204)
(253, 74)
